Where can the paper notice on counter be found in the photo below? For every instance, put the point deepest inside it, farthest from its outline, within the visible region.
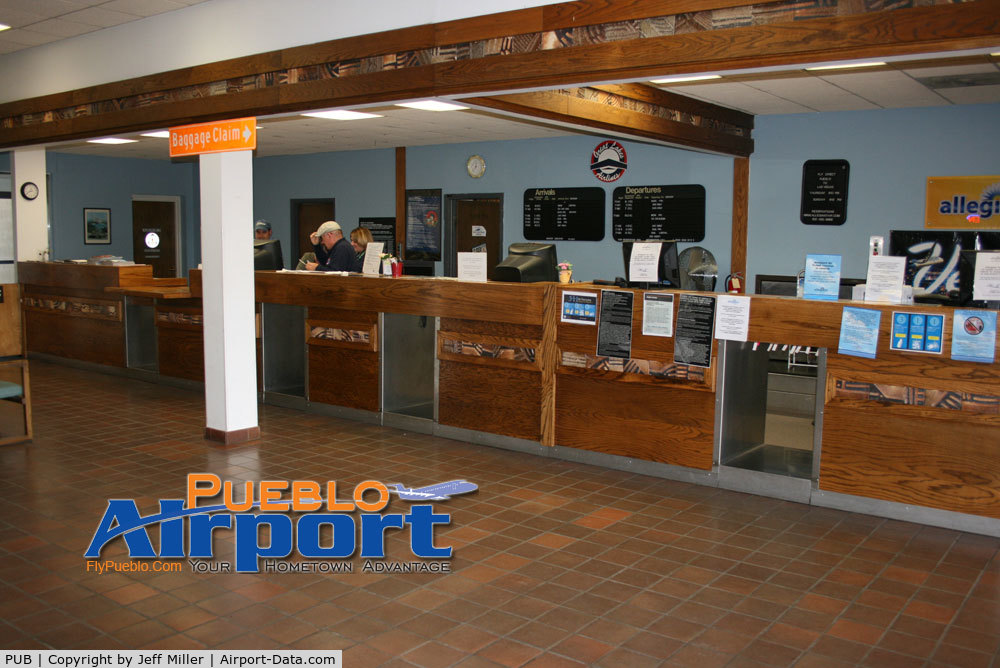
(859, 332)
(472, 267)
(373, 257)
(974, 336)
(693, 340)
(642, 266)
(732, 317)
(822, 277)
(986, 280)
(885, 279)
(614, 333)
(657, 314)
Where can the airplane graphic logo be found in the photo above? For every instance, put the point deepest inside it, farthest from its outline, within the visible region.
(442, 491)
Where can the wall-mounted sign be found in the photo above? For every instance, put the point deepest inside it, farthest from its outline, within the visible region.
(382, 229)
(555, 214)
(824, 192)
(423, 225)
(658, 213)
(608, 161)
(238, 134)
(963, 203)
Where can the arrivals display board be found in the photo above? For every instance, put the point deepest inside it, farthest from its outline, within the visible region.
(554, 214)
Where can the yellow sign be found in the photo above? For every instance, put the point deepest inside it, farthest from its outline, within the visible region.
(238, 134)
(963, 203)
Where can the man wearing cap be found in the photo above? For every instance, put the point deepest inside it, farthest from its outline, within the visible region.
(332, 249)
(261, 230)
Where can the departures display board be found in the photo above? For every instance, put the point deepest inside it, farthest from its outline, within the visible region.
(556, 214)
(658, 213)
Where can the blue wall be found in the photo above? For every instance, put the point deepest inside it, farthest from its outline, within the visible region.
(514, 166)
(80, 182)
(891, 154)
(361, 182)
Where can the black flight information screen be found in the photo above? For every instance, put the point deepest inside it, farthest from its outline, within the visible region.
(658, 213)
(575, 214)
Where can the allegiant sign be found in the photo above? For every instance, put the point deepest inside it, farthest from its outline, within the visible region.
(185, 529)
(963, 202)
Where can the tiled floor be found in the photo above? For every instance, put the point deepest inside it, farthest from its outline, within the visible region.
(556, 564)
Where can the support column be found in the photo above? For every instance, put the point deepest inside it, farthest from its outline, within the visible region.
(31, 217)
(741, 218)
(228, 297)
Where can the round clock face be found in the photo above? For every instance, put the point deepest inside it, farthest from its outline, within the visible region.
(152, 240)
(29, 190)
(476, 166)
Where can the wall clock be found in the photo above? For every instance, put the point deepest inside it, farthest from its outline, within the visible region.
(29, 190)
(475, 166)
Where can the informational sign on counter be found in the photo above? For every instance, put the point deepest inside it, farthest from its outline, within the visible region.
(382, 229)
(885, 279)
(373, 258)
(423, 225)
(614, 335)
(822, 277)
(732, 317)
(824, 192)
(471, 266)
(693, 341)
(579, 308)
(918, 332)
(658, 213)
(859, 332)
(986, 277)
(974, 336)
(657, 314)
(574, 214)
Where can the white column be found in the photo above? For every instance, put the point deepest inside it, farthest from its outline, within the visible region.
(228, 296)
(31, 217)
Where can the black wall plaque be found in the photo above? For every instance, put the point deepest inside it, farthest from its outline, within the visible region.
(382, 229)
(824, 192)
(575, 214)
(658, 213)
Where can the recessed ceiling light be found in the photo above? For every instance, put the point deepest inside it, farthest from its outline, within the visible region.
(162, 134)
(432, 105)
(342, 115)
(844, 67)
(4, 26)
(112, 140)
(691, 77)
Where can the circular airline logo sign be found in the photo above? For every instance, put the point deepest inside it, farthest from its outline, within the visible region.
(608, 161)
(152, 240)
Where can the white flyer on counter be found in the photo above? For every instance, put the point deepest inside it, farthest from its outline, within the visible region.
(732, 317)
(986, 280)
(657, 314)
(885, 279)
(642, 266)
(472, 267)
(373, 257)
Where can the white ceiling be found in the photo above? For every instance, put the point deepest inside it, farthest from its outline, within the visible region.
(36, 22)
(939, 81)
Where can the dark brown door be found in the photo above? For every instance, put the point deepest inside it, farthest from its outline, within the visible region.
(154, 236)
(309, 215)
(478, 227)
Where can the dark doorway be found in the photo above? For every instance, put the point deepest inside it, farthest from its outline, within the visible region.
(307, 216)
(154, 235)
(474, 224)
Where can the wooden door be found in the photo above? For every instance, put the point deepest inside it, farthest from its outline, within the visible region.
(478, 228)
(154, 236)
(308, 216)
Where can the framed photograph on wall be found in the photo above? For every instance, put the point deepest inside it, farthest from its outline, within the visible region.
(97, 226)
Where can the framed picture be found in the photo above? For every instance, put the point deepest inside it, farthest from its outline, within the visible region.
(97, 226)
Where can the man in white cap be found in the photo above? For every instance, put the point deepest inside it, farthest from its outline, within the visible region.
(334, 252)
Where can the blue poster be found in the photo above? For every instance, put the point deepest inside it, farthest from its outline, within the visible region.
(974, 336)
(423, 225)
(859, 332)
(822, 280)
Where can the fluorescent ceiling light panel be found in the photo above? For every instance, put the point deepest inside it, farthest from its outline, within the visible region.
(342, 115)
(112, 140)
(432, 105)
(162, 134)
(4, 26)
(843, 67)
(692, 77)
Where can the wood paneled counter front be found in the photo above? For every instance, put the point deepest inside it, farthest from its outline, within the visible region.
(911, 428)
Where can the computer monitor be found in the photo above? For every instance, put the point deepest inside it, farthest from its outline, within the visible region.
(267, 255)
(529, 263)
(668, 273)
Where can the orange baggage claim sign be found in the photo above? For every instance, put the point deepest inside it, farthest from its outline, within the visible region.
(963, 203)
(238, 134)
